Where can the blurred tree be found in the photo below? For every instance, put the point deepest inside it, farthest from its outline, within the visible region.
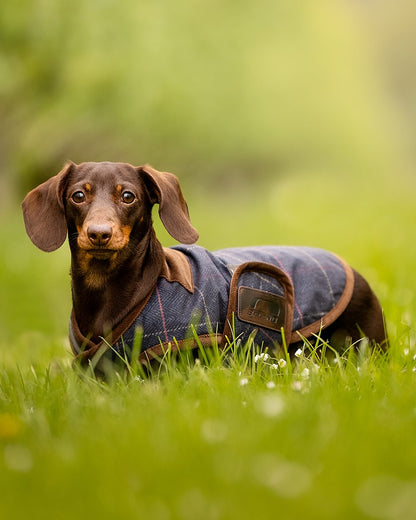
(392, 29)
(209, 89)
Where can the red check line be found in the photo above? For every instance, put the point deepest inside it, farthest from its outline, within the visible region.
(162, 315)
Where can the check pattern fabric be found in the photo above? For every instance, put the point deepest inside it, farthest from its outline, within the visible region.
(316, 285)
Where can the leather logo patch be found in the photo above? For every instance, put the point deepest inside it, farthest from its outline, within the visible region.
(261, 308)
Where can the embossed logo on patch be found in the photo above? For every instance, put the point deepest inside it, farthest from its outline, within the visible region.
(261, 308)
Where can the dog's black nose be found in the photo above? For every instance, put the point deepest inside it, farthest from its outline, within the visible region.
(99, 234)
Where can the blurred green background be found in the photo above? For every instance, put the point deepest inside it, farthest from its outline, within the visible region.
(207, 89)
(286, 121)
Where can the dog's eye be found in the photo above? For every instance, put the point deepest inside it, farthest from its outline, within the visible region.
(78, 197)
(128, 197)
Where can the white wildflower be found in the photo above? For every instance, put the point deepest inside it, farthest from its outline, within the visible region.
(305, 373)
(282, 363)
(261, 357)
(406, 351)
(301, 386)
(243, 381)
(275, 366)
(298, 353)
(271, 405)
(297, 385)
(270, 384)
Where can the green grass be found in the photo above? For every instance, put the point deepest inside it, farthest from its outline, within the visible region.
(242, 440)
(239, 438)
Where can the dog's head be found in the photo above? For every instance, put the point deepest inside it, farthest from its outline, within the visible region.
(103, 207)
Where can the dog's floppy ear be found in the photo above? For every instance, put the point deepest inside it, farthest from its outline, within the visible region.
(164, 189)
(44, 214)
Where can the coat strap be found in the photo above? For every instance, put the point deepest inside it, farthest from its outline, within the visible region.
(260, 308)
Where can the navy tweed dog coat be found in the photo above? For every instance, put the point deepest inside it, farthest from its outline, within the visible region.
(231, 292)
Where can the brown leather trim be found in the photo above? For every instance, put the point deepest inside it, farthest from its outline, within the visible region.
(334, 313)
(176, 268)
(269, 270)
(160, 350)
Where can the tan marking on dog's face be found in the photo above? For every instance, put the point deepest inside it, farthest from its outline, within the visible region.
(119, 240)
(96, 276)
(126, 230)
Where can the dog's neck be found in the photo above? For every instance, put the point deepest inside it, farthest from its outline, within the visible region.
(101, 300)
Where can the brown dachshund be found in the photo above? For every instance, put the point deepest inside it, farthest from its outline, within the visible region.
(123, 280)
